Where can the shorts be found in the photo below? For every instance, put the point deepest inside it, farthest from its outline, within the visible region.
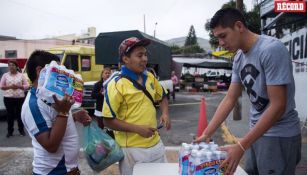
(273, 155)
(155, 154)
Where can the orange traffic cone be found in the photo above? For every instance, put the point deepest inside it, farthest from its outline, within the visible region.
(202, 121)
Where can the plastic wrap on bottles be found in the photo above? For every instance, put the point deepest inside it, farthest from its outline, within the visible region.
(202, 159)
(56, 79)
(100, 149)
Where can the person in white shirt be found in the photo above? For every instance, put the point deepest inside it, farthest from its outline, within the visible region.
(51, 126)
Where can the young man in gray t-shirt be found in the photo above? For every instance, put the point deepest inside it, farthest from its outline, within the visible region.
(262, 66)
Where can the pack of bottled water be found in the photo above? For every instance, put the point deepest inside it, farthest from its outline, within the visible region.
(56, 79)
(200, 159)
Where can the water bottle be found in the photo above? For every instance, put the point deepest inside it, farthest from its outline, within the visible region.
(203, 145)
(191, 167)
(195, 146)
(213, 147)
(185, 160)
(183, 145)
(197, 162)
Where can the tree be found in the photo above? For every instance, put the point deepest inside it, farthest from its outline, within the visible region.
(212, 39)
(190, 46)
(192, 49)
(176, 49)
(186, 49)
(191, 38)
(252, 21)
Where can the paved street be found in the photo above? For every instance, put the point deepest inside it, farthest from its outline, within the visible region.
(16, 153)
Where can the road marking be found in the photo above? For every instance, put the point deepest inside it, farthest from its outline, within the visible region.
(7, 149)
(183, 104)
(228, 137)
(181, 121)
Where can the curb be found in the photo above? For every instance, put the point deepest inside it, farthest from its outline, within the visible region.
(30, 149)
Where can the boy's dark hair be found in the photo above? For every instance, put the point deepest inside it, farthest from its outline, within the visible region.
(226, 18)
(39, 58)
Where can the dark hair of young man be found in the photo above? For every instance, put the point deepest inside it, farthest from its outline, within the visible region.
(226, 17)
(39, 58)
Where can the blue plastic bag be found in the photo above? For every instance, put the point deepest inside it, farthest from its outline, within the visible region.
(100, 149)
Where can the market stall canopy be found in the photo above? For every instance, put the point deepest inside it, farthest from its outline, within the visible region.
(203, 63)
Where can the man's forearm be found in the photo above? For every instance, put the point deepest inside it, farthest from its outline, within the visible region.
(51, 140)
(119, 125)
(164, 106)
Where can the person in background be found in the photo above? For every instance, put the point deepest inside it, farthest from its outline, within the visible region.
(175, 83)
(262, 65)
(51, 126)
(98, 94)
(14, 84)
(130, 112)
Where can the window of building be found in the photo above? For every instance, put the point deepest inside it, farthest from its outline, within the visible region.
(11, 54)
(71, 62)
(85, 63)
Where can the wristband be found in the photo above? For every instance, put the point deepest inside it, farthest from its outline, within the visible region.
(62, 115)
(241, 146)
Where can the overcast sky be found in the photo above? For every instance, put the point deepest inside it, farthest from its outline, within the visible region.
(35, 19)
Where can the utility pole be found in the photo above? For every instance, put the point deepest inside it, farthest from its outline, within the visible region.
(155, 29)
(144, 23)
(237, 110)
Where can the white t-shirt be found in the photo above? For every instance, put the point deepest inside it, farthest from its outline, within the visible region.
(38, 117)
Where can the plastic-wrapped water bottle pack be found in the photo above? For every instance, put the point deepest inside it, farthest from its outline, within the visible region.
(56, 79)
(199, 159)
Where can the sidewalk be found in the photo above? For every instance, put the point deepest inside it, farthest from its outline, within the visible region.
(240, 128)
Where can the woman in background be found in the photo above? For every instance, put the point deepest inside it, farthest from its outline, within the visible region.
(98, 94)
(14, 84)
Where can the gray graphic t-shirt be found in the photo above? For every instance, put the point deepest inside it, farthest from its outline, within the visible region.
(267, 63)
